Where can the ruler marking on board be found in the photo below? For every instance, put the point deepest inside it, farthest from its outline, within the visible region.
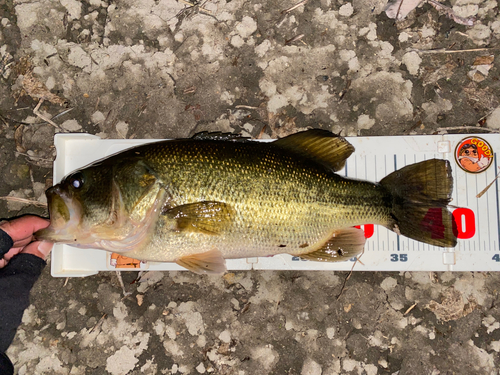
(418, 243)
(378, 236)
(455, 187)
(488, 213)
(355, 167)
(496, 193)
(376, 180)
(385, 240)
(395, 169)
(478, 231)
(468, 245)
(466, 192)
(366, 170)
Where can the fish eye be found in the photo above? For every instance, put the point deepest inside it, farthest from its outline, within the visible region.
(76, 180)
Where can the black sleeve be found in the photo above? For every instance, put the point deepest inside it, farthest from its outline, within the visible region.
(6, 367)
(16, 281)
(5, 243)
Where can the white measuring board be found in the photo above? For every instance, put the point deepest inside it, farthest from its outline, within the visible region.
(477, 219)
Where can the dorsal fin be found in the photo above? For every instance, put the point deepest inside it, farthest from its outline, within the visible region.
(322, 146)
(219, 136)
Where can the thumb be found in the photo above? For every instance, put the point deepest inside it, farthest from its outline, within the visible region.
(39, 248)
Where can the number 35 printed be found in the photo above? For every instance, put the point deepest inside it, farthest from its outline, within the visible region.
(399, 257)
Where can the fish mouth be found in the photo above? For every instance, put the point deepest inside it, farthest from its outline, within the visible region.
(65, 216)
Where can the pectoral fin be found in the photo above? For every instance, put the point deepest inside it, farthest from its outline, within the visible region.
(343, 245)
(210, 262)
(205, 217)
(319, 145)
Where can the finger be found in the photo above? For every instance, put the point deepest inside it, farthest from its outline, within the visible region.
(39, 248)
(9, 255)
(22, 243)
(22, 229)
(12, 253)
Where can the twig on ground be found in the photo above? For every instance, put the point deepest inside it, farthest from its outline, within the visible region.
(469, 21)
(444, 50)
(399, 8)
(303, 2)
(98, 323)
(349, 275)
(294, 39)
(25, 201)
(467, 128)
(487, 187)
(45, 118)
(410, 308)
(62, 113)
(120, 280)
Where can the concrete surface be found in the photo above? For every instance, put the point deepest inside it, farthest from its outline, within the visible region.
(162, 68)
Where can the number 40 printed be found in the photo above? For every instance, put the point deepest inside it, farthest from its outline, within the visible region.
(464, 227)
(463, 219)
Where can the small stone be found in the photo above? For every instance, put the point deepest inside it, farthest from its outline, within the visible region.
(236, 303)
(97, 117)
(71, 125)
(201, 368)
(13, 205)
(493, 120)
(122, 129)
(365, 122)
(412, 61)
(495, 345)
(225, 336)
(476, 76)
(246, 27)
(330, 332)
(311, 368)
(389, 283)
(382, 362)
(50, 83)
(346, 10)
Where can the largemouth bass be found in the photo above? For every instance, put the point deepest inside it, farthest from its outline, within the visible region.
(213, 197)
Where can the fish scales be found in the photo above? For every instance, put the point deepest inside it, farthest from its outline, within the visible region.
(281, 202)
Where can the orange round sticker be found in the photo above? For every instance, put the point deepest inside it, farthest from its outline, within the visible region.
(473, 154)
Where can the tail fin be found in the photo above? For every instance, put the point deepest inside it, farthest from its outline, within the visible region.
(420, 195)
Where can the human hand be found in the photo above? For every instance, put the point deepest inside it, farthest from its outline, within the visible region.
(21, 231)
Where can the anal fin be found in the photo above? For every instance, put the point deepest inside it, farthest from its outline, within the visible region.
(343, 245)
(210, 262)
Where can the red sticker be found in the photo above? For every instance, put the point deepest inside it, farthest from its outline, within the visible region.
(473, 154)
